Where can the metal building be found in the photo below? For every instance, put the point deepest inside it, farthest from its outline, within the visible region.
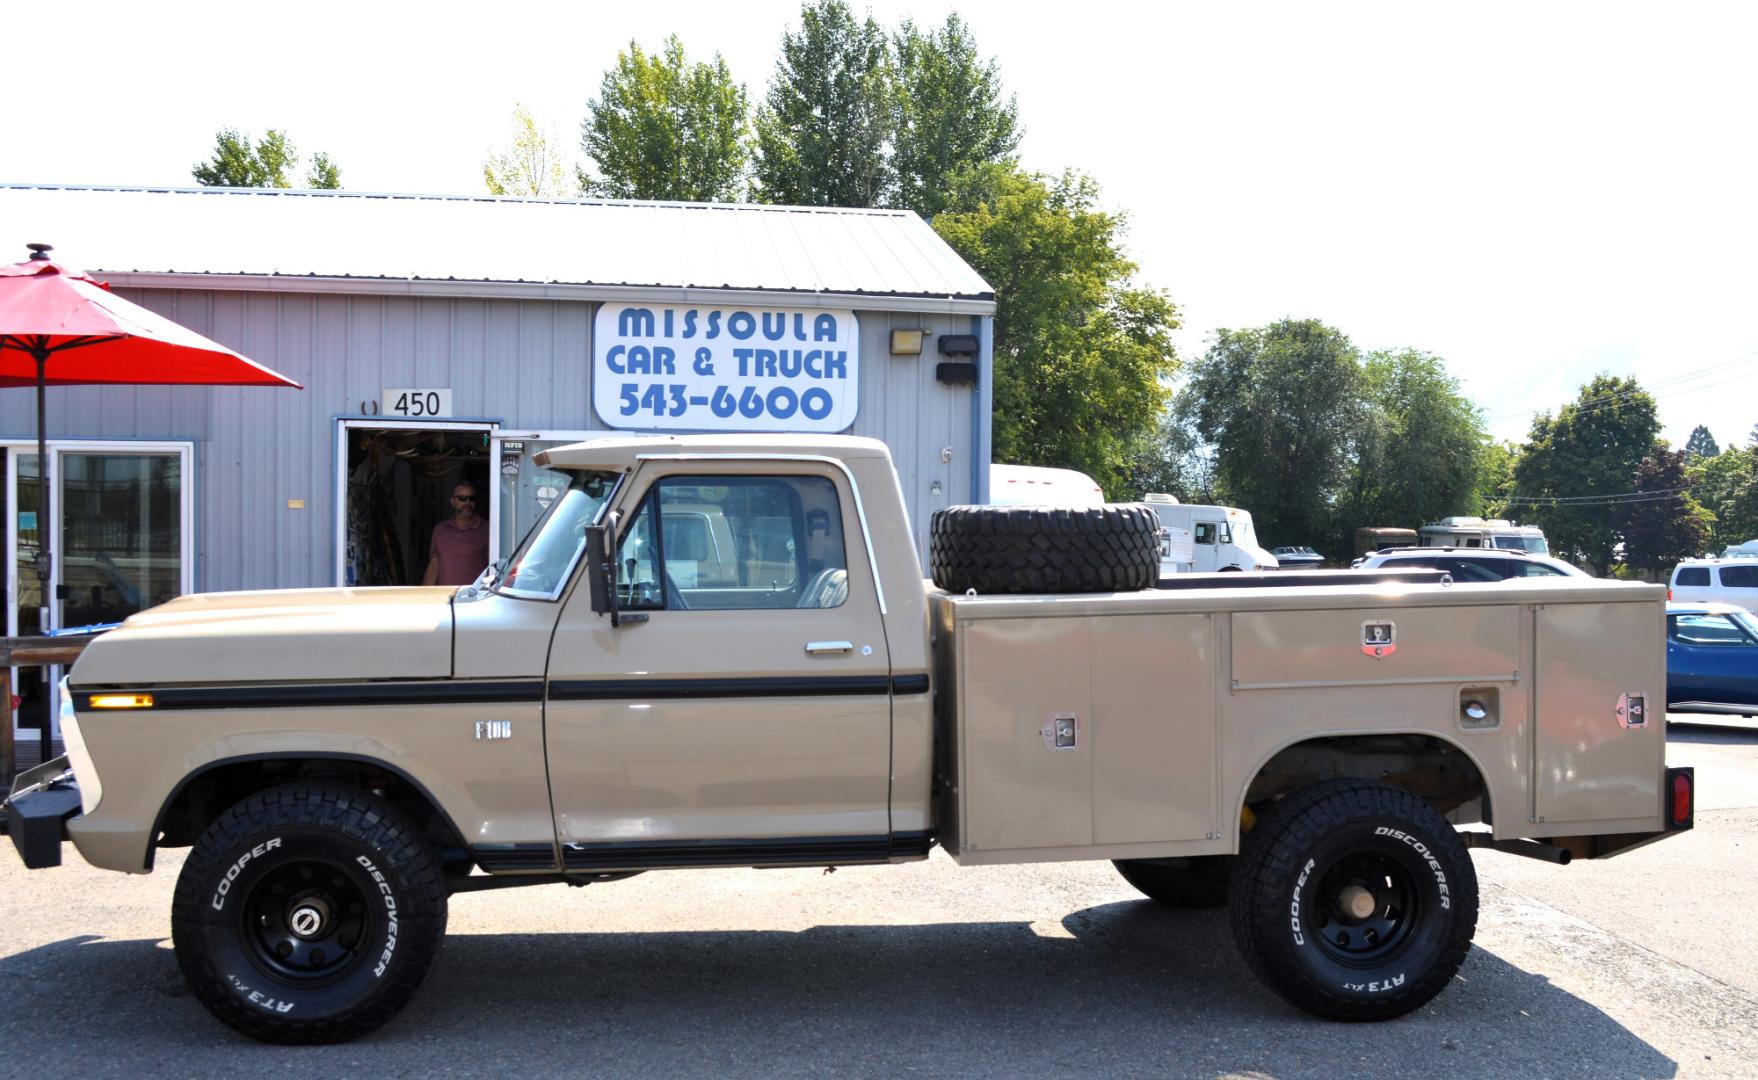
(446, 338)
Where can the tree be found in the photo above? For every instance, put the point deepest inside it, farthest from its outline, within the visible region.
(1663, 524)
(1496, 464)
(1419, 447)
(1727, 486)
(530, 166)
(1080, 353)
(950, 115)
(664, 128)
(1282, 405)
(1701, 444)
(826, 121)
(268, 164)
(1578, 466)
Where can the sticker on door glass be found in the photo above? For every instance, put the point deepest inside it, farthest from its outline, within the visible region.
(1379, 639)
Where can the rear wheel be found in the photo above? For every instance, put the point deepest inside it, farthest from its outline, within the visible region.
(1199, 882)
(1354, 900)
(308, 914)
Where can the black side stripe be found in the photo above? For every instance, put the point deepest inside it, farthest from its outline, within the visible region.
(424, 692)
(501, 691)
(514, 856)
(796, 686)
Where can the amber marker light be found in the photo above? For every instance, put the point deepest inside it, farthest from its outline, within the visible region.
(122, 701)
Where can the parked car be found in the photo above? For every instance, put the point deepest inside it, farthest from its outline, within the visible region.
(1711, 658)
(1706, 581)
(1297, 558)
(1474, 564)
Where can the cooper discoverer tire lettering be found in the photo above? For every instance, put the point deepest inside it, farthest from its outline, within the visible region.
(308, 913)
(1044, 549)
(1354, 900)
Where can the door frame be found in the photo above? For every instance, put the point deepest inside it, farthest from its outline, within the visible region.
(13, 448)
(339, 500)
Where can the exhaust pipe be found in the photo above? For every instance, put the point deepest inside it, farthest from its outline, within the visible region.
(1530, 849)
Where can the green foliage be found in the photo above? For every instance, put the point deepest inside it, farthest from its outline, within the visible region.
(529, 167)
(1668, 525)
(1727, 486)
(824, 127)
(1701, 444)
(664, 128)
(1283, 406)
(1589, 452)
(1496, 462)
(950, 115)
(268, 164)
(1418, 449)
(1080, 354)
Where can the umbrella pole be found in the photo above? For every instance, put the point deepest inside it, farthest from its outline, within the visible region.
(46, 742)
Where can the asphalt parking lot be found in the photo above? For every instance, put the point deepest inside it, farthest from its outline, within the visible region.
(1640, 966)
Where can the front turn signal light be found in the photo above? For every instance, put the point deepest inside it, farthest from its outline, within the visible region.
(122, 701)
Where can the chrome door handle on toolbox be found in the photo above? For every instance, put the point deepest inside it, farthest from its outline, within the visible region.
(816, 647)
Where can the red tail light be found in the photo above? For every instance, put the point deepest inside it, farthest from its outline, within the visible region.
(1669, 592)
(1680, 784)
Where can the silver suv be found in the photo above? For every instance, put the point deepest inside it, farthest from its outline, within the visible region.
(1473, 564)
(1727, 581)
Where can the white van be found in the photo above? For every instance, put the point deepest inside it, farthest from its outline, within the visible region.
(1730, 581)
(1747, 550)
(1221, 537)
(1035, 485)
(1468, 532)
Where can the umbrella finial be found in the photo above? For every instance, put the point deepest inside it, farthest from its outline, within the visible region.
(40, 252)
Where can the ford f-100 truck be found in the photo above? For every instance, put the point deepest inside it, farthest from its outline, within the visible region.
(720, 652)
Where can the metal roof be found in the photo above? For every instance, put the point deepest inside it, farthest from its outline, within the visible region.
(344, 241)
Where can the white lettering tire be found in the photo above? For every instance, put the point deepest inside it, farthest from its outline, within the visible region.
(1354, 900)
(308, 914)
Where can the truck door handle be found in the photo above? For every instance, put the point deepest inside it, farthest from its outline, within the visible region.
(816, 647)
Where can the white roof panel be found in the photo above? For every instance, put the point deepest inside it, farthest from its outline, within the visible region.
(253, 234)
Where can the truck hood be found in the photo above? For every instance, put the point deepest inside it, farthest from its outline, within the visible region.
(275, 636)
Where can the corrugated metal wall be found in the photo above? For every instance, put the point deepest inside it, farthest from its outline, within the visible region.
(523, 363)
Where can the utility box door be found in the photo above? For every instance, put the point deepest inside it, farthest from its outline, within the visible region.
(1594, 764)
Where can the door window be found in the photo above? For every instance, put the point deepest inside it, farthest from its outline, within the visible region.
(1716, 630)
(1205, 532)
(735, 542)
(1740, 577)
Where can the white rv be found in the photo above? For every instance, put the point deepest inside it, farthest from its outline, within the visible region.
(1218, 538)
(1035, 485)
(1479, 532)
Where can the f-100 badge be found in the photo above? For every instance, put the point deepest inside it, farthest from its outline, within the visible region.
(1379, 639)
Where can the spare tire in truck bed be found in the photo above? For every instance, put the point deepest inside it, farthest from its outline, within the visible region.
(1045, 549)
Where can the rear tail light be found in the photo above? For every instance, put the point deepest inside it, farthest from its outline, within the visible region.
(1680, 785)
(1669, 592)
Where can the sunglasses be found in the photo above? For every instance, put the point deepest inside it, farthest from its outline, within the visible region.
(463, 498)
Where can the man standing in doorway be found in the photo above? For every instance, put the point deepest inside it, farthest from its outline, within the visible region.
(458, 552)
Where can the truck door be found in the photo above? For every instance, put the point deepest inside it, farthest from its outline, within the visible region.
(1208, 545)
(741, 713)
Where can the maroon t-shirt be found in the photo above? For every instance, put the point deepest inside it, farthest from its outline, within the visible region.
(462, 553)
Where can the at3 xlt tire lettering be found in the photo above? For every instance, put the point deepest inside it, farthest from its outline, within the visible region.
(1354, 900)
(308, 913)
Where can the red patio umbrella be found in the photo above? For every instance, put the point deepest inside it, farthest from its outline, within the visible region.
(61, 327)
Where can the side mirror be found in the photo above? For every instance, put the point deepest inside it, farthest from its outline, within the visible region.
(601, 578)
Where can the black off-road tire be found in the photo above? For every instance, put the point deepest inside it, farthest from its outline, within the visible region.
(1200, 882)
(1042, 549)
(1312, 854)
(346, 868)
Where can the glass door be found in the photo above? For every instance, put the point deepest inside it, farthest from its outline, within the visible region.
(122, 532)
(522, 489)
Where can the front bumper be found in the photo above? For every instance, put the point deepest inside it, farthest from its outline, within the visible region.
(43, 801)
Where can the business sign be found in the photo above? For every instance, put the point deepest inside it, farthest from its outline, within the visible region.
(725, 369)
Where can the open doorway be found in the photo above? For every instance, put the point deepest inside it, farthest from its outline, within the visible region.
(397, 485)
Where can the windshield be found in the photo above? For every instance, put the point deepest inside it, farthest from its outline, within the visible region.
(1533, 544)
(547, 557)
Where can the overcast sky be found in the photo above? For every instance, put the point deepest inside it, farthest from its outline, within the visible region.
(1535, 192)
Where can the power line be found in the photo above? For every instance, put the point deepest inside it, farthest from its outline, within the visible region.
(1667, 387)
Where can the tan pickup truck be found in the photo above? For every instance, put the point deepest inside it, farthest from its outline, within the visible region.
(719, 651)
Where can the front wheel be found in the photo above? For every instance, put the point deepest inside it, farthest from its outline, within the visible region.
(308, 914)
(1354, 900)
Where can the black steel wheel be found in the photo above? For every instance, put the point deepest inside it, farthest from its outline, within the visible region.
(1354, 900)
(308, 914)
